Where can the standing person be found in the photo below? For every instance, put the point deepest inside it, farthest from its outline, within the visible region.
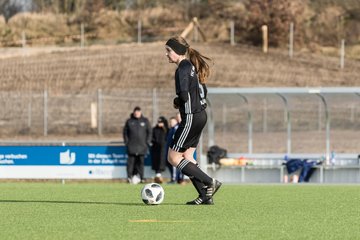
(179, 175)
(137, 138)
(190, 78)
(174, 124)
(158, 148)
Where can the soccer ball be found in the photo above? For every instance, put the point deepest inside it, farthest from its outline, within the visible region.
(152, 194)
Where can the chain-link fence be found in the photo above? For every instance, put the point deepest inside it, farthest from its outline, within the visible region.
(257, 123)
(285, 123)
(98, 113)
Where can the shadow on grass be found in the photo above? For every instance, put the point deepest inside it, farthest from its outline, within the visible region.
(81, 202)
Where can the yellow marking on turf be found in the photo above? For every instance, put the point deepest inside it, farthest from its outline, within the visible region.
(159, 221)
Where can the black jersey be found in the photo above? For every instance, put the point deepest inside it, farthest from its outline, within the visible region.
(191, 92)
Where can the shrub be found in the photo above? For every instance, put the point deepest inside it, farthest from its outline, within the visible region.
(277, 15)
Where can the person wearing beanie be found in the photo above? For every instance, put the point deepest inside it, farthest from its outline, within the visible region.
(158, 151)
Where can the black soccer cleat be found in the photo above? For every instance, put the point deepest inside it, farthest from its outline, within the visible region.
(213, 188)
(201, 201)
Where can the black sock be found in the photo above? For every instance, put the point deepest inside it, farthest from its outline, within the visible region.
(191, 170)
(199, 186)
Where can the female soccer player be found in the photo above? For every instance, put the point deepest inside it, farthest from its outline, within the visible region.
(190, 78)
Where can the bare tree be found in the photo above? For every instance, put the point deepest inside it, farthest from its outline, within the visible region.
(277, 14)
(9, 8)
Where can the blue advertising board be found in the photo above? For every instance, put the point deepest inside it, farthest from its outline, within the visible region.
(65, 155)
(64, 161)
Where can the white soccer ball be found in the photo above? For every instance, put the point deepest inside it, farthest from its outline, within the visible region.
(152, 194)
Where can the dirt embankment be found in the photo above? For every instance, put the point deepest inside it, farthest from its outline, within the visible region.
(145, 66)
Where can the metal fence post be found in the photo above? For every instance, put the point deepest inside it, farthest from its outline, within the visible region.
(288, 122)
(139, 31)
(23, 39)
(29, 112)
(82, 36)
(155, 106)
(327, 125)
(250, 124)
(224, 122)
(200, 155)
(265, 116)
(45, 113)
(319, 117)
(342, 54)
(210, 124)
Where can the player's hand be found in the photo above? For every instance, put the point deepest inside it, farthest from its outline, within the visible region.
(176, 103)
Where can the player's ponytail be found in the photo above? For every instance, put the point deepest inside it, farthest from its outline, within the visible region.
(201, 66)
(196, 58)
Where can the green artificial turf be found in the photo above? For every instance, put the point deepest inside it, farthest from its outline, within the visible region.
(115, 211)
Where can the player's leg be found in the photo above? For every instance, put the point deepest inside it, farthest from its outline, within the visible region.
(192, 171)
(199, 186)
(187, 136)
(189, 154)
(188, 167)
(192, 141)
(130, 167)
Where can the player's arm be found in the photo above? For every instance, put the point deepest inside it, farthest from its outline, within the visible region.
(184, 77)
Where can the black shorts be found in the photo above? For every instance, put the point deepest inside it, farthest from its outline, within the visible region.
(189, 131)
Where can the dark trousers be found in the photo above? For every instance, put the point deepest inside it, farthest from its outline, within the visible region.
(135, 165)
(172, 171)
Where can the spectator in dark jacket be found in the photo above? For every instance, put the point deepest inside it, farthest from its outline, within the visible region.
(137, 138)
(158, 148)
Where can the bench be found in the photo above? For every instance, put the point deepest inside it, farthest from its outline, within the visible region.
(276, 161)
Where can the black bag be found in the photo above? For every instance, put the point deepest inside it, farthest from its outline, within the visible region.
(215, 153)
